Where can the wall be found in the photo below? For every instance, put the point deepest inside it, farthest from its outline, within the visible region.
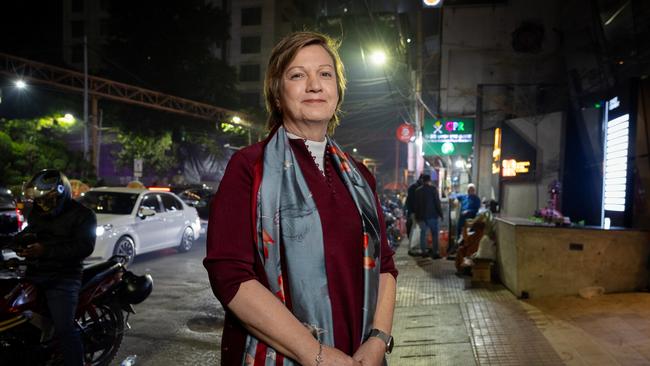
(538, 259)
(545, 133)
(642, 161)
(477, 49)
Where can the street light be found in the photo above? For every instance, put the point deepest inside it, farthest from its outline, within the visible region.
(378, 57)
(236, 120)
(20, 84)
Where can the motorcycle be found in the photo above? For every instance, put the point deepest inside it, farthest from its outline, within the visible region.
(392, 216)
(105, 302)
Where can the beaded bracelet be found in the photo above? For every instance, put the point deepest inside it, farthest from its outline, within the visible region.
(319, 356)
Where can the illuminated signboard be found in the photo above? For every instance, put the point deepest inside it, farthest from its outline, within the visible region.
(496, 152)
(512, 167)
(617, 135)
(451, 136)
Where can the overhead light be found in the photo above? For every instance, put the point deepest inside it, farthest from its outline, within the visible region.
(20, 84)
(236, 119)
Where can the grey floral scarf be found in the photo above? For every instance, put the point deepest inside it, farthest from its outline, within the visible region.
(287, 214)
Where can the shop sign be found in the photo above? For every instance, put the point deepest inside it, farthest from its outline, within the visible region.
(448, 136)
(496, 151)
(512, 167)
(405, 132)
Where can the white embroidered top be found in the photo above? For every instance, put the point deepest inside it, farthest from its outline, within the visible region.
(316, 148)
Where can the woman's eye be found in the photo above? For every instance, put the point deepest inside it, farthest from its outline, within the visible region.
(296, 76)
(326, 74)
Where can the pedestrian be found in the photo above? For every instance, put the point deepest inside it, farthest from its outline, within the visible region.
(427, 212)
(296, 249)
(469, 206)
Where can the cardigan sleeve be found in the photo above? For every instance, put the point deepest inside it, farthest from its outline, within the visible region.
(230, 245)
(387, 263)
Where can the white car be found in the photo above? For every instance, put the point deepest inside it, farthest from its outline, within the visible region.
(133, 221)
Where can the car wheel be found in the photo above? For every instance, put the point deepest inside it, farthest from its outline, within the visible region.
(126, 247)
(187, 240)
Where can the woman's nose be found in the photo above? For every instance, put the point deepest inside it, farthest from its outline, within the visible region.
(313, 84)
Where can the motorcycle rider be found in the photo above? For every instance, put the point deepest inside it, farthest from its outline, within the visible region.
(60, 233)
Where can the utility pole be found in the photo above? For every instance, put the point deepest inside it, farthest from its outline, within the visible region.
(419, 110)
(85, 97)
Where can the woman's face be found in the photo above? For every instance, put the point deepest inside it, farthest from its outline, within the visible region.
(309, 91)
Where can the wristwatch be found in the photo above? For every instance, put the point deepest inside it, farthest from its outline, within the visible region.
(386, 338)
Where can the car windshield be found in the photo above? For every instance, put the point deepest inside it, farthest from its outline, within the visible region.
(115, 203)
(7, 202)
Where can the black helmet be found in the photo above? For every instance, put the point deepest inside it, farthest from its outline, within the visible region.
(135, 289)
(48, 189)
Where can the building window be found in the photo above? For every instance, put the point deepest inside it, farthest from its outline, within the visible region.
(249, 73)
(77, 6)
(251, 44)
(77, 28)
(251, 16)
(250, 99)
(77, 55)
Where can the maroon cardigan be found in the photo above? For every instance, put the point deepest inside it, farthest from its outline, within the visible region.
(232, 254)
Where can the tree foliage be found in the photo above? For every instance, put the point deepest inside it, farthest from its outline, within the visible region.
(156, 151)
(30, 145)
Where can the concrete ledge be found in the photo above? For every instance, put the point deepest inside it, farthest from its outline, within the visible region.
(540, 260)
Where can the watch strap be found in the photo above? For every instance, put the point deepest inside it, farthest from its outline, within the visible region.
(386, 338)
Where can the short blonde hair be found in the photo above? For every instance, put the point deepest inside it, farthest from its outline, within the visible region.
(281, 56)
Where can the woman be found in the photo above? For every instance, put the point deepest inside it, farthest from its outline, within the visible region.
(296, 248)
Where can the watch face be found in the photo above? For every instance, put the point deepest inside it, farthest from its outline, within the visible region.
(389, 345)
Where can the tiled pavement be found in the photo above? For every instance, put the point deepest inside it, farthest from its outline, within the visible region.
(441, 320)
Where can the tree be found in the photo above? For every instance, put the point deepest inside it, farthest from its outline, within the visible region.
(30, 145)
(156, 151)
(171, 46)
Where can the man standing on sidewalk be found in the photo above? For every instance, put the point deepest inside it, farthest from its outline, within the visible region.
(427, 211)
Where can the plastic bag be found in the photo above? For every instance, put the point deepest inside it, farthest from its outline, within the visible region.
(414, 238)
(487, 249)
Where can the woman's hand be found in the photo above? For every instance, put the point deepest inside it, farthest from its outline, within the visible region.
(333, 357)
(371, 352)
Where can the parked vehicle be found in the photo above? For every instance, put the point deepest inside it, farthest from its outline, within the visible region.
(393, 216)
(197, 197)
(11, 216)
(105, 302)
(133, 221)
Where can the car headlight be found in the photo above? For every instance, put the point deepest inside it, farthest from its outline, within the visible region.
(101, 229)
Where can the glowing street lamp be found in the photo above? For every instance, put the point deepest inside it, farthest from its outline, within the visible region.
(20, 84)
(378, 57)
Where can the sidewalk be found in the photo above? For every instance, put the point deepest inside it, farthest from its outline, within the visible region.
(440, 322)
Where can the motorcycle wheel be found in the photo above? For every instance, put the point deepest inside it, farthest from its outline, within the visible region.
(103, 330)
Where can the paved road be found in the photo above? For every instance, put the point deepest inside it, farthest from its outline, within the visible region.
(180, 323)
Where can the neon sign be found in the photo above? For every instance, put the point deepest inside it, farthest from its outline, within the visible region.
(512, 167)
(496, 152)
